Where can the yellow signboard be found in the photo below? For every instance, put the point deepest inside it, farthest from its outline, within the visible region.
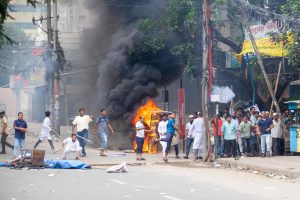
(266, 47)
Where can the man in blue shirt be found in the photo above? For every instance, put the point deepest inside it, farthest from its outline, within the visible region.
(21, 128)
(171, 128)
(265, 124)
(104, 128)
(229, 131)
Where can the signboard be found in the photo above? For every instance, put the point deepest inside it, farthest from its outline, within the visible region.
(38, 51)
(221, 94)
(181, 112)
(265, 45)
(37, 77)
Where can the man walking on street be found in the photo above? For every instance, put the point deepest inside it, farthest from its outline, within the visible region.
(198, 130)
(277, 133)
(162, 131)
(104, 128)
(21, 128)
(45, 132)
(229, 131)
(171, 128)
(81, 123)
(188, 136)
(265, 125)
(4, 131)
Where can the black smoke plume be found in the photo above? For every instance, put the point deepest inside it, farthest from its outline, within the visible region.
(121, 83)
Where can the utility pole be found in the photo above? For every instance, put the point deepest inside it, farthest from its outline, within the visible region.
(50, 102)
(205, 75)
(56, 72)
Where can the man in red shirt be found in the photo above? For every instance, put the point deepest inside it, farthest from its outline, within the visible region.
(216, 124)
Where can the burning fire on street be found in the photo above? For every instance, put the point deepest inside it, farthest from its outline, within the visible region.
(151, 113)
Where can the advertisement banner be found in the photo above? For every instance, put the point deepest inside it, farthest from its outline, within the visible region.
(264, 42)
(181, 112)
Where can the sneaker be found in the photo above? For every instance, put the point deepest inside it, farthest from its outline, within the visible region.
(263, 155)
(64, 158)
(76, 158)
(186, 157)
(177, 157)
(143, 159)
(2, 152)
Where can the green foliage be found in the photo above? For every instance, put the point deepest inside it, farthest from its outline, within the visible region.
(175, 33)
(291, 8)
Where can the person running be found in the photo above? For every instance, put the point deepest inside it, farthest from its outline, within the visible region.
(198, 131)
(229, 131)
(81, 123)
(104, 128)
(189, 136)
(140, 137)
(21, 128)
(162, 131)
(265, 124)
(171, 128)
(45, 132)
(69, 145)
(245, 129)
(4, 132)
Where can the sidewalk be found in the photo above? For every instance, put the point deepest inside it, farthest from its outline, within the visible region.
(281, 165)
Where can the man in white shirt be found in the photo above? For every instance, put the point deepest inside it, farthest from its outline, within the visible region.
(81, 123)
(140, 136)
(45, 132)
(198, 131)
(162, 130)
(276, 133)
(71, 144)
(189, 136)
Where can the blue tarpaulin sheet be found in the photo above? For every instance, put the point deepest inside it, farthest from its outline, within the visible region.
(66, 164)
(5, 164)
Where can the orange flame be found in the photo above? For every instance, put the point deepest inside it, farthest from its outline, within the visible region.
(148, 111)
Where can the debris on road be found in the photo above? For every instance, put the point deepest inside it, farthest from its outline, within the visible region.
(118, 168)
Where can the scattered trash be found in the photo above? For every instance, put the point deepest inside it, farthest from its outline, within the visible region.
(217, 165)
(118, 168)
(255, 172)
(51, 175)
(192, 190)
(51, 191)
(162, 193)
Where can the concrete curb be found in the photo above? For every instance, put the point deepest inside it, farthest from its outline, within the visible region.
(257, 167)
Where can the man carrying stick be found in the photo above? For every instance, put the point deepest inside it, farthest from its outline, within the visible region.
(81, 123)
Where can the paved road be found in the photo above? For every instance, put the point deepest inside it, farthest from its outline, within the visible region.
(143, 182)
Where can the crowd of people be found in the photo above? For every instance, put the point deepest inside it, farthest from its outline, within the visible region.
(249, 133)
(241, 133)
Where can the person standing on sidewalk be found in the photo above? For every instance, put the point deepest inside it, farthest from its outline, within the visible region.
(254, 150)
(104, 128)
(21, 128)
(45, 132)
(245, 128)
(198, 130)
(235, 120)
(162, 131)
(81, 123)
(265, 124)
(4, 131)
(229, 131)
(188, 136)
(219, 137)
(276, 133)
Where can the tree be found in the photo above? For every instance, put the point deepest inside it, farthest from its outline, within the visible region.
(4, 15)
